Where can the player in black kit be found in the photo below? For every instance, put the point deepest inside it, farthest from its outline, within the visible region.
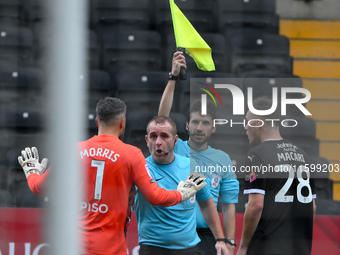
(279, 217)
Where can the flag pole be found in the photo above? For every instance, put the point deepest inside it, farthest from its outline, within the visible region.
(182, 72)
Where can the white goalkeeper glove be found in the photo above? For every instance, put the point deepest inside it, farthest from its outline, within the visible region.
(29, 162)
(191, 185)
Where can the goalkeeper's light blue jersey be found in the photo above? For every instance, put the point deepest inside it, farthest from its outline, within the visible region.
(217, 167)
(171, 227)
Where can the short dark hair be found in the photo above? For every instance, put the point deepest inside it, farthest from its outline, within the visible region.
(161, 120)
(264, 103)
(196, 107)
(109, 110)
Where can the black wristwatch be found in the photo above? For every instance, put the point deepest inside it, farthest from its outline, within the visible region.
(172, 77)
(226, 240)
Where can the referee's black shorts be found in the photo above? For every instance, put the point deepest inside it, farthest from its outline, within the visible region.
(208, 241)
(154, 250)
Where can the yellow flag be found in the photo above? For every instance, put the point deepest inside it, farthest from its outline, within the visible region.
(187, 37)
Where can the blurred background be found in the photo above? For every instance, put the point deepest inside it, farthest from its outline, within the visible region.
(257, 43)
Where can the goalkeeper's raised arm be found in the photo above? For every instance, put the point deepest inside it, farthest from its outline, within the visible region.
(34, 171)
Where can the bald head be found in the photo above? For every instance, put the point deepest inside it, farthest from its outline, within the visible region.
(161, 120)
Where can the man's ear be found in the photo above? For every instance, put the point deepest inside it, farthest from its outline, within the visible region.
(97, 122)
(176, 139)
(213, 129)
(147, 140)
(187, 126)
(259, 123)
(122, 123)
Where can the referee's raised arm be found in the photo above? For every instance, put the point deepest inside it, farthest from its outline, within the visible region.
(165, 104)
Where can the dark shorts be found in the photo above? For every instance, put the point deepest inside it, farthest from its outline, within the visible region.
(154, 250)
(208, 241)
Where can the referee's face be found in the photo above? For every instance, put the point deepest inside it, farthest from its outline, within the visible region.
(161, 142)
(200, 129)
(252, 129)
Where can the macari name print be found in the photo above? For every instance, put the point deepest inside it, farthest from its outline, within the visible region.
(290, 156)
(289, 153)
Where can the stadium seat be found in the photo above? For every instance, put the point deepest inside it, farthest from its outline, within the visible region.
(12, 11)
(141, 90)
(120, 15)
(231, 137)
(262, 84)
(305, 127)
(191, 89)
(198, 12)
(4, 148)
(128, 51)
(260, 6)
(327, 207)
(180, 121)
(303, 134)
(21, 194)
(232, 24)
(248, 17)
(93, 48)
(21, 120)
(27, 199)
(35, 18)
(15, 178)
(100, 85)
(5, 198)
(93, 51)
(320, 167)
(135, 132)
(214, 77)
(265, 53)
(220, 52)
(21, 87)
(273, 75)
(20, 141)
(34, 11)
(266, 44)
(16, 45)
(324, 188)
(92, 128)
(20, 129)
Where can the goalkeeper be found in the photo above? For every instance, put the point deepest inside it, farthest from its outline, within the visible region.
(110, 170)
(172, 230)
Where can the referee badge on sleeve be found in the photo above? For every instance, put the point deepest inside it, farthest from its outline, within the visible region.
(192, 199)
(215, 181)
(148, 171)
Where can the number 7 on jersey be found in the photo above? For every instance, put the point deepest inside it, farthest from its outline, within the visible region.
(99, 164)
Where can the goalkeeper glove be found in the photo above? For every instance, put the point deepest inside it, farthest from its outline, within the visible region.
(29, 162)
(191, 185)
